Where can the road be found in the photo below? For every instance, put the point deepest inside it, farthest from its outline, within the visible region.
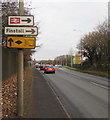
(82, 95)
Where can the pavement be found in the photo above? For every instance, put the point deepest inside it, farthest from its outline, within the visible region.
(44, 103)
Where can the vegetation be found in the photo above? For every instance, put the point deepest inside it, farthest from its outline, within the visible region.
(94, 72)
(9, 97)
(9, 66)
(63, 60)
(27, 89)
(94, 46)
(12, 8)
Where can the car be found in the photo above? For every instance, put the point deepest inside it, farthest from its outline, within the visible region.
(37, 65)
(41, 67)
(60, 66)
(49, 69)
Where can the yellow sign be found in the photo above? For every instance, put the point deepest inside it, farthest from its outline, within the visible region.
(77, 59)
(21, 42)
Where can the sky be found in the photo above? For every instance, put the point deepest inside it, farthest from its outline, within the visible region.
(62, 23)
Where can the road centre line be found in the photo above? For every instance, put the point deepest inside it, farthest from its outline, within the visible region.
(94, 83)
(99, 85)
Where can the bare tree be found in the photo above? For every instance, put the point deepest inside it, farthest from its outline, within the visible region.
(95, 44)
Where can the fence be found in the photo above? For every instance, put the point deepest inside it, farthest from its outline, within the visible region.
(9, 62)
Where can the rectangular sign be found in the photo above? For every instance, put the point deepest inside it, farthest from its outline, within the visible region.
(21, 42)
(21, 30)
(21, 20)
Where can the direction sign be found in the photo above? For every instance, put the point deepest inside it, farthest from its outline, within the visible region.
(21, 30)
(21, 20)
(21, 42)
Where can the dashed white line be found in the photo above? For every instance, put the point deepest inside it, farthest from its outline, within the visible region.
(95, 83)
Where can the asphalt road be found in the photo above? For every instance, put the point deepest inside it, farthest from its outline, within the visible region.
(82, 95)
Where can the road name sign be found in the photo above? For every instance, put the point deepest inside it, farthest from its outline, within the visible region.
(21, 30)
(21, 42)
(21, 20)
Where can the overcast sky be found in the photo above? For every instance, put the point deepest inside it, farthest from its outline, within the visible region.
(63, 22)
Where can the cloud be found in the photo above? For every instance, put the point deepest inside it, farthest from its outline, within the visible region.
(58, 1)
(58, 21)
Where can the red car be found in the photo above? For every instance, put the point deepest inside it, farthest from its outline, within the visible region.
(49, 69)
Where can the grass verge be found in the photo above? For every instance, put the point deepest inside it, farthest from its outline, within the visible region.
(93, 72)
(27, 90)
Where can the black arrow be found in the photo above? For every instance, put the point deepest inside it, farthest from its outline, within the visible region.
(18, 42)
(28, 20)
(10, 40)
(32, 31)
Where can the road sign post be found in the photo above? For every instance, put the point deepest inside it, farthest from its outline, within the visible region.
(20, 71)
(20, 26)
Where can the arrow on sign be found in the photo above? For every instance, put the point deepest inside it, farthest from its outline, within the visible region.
(18, 42)
(21, 30)
(10, 40)
(28, 20)
(21, 42)
(32, 31)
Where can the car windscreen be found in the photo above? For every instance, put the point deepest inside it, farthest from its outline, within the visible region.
(49, 67)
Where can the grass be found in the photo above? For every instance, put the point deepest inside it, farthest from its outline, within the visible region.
(94, 72)
(27, 89)
(99, 73)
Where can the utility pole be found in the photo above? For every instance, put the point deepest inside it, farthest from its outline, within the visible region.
(71, 60)
(20, 71)
(71, 56)
(66, 60)
(61, 61)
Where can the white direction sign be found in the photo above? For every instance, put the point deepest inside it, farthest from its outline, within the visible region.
(21, 30)
(21, 20)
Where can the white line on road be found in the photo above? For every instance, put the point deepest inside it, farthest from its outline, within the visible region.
(95, 83)
(59, 101)
(99, 85)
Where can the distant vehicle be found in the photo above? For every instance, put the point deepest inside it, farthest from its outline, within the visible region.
(56, 65)
(37, 65)
(59, 66)
(41, 67)
(49, 69)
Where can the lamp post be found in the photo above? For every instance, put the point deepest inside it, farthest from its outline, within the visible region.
(71, 56)
(66, 60)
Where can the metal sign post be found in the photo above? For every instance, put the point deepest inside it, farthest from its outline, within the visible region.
(16, 39)
(20, 71)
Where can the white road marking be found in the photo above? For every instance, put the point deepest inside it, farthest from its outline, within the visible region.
(99, 85)
(94, 83)
(59, 100)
